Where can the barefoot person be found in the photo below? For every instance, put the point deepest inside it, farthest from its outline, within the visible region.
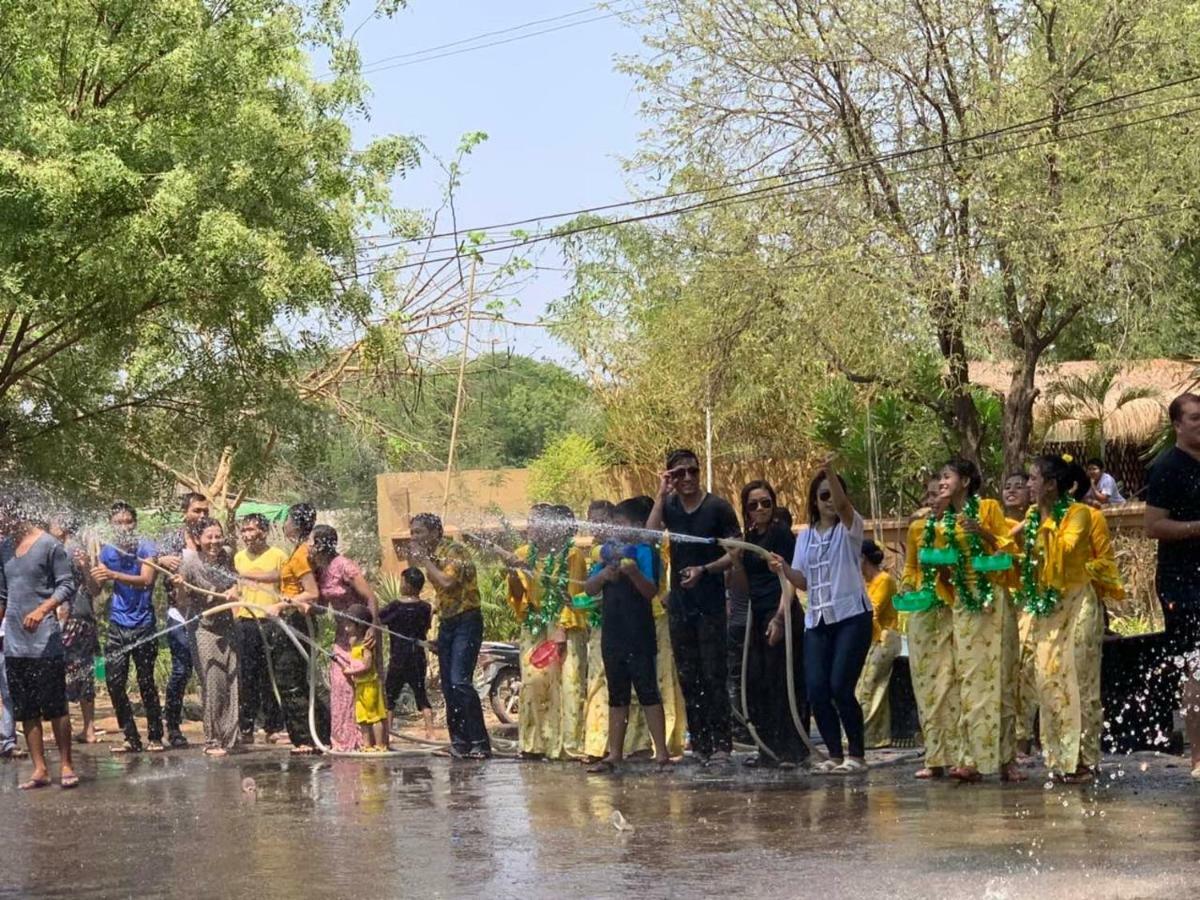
(123, 564)
(627, 578)
(837, 627)
(35, 579)
(1173, 519)
(696, 604)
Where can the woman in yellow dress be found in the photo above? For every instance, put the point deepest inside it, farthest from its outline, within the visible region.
(885, 647)
(959, 559)
(1056, 588)
(1022, 660)
(543, 575)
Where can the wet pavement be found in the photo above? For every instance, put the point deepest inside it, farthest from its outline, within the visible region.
(182, 825)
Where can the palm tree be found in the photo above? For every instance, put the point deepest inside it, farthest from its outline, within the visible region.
(1085, 400)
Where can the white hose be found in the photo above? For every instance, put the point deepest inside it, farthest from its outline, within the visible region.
(786, 587)
(745, 711)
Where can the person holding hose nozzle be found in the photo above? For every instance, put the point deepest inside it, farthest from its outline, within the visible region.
(837, 625)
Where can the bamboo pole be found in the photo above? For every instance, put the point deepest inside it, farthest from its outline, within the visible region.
(458, 397)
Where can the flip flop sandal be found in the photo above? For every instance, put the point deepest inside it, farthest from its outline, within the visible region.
(14, 753)
(155, 747)
(304, 750)
(124, 747)
(68, 781)
(34, 783)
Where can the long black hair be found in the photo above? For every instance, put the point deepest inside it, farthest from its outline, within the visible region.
(966, 470)
(814, 513)
(1068, 476)
(304, 517)
(756, 485)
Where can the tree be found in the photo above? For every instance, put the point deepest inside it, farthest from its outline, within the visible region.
(990, 175)
(181, 198)
(571, 470)
(1090, 401)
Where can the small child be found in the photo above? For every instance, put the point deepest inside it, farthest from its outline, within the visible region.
(359, 666)
(409, 616)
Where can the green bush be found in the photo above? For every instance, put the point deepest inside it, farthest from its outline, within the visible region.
(572, 470)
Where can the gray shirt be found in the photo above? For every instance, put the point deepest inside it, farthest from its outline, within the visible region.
(42, 573)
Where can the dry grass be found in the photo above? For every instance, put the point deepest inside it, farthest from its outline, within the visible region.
(1139, 612)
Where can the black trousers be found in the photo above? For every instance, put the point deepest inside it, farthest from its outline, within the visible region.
(291, 675)
(698, 642)
(766, 681)
(117, 676)
(833, 660)
(407, 667)
(254, 679)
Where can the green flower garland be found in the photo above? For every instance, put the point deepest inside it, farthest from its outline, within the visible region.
(554, 578)
(972, 600)
(929, 571)
(1036, 601)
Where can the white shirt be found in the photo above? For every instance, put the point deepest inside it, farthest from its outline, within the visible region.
(831, 563)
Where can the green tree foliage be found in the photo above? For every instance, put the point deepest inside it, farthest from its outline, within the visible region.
(571, 470)
(916, 184)
(180, 197)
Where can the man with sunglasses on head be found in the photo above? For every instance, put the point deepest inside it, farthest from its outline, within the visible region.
(696, 603)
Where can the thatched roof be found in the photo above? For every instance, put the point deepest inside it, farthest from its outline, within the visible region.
(1137, 422)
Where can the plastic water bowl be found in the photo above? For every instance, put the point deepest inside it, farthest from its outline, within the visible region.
(543, 654)
(583, 602)
(915, 601)
(937, 556)
(99, 667)
(997, 562)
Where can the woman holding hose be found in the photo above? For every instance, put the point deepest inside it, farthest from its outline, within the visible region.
(837, 625)
(300, 593)
(758, 669)
(213, 638)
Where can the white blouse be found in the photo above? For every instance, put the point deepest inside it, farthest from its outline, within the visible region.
(831, 563)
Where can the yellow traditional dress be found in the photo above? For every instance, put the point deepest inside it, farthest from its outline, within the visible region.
(957, 655)
(1089, 635)
(1024, 678)
(872, 690)
(1061, 554)
(540, 730)
(369, 706)
(574, 623)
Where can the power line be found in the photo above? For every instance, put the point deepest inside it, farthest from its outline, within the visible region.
(886, 157)
(454, 48)
(758, 192)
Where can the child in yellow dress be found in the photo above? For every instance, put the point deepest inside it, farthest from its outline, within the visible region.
(359, 666)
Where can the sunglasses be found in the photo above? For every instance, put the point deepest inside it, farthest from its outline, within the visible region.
(685, 472)
(752, 505)
(824, 495)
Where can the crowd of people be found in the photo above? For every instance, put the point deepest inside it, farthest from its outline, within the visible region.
(678, 622)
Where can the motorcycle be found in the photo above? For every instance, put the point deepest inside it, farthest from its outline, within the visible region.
(498, 679)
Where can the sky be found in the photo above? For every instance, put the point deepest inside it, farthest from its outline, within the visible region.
(558, 116)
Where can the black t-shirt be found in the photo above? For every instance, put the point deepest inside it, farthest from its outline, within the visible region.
(628, 619)
(764, 584)
(713, 518)
(410, 619)
(1174, 485)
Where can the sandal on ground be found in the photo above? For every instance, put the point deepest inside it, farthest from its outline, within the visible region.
(929, 772)
(303, 750)
(274, 737)
(14, 753)
(155, 747)
(1012, 773)
(479, 754)
(1084, 777)
(217, 752)
(965, 775)
(603, 767)
(849, 767)
(66, 782)
(34, 783)
(825, 766)
(177, 741)
(125, 747)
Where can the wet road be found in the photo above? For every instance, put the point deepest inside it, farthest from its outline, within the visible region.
(181, 825)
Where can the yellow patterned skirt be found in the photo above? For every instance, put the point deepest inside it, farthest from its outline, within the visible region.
(574, 693)
(1026, 678)
(539, 728)
(872, 690)
(1059, 665)
(1089, 642)
(979, 671)
(931, 660)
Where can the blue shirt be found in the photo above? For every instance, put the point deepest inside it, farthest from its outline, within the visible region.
(131, 606)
